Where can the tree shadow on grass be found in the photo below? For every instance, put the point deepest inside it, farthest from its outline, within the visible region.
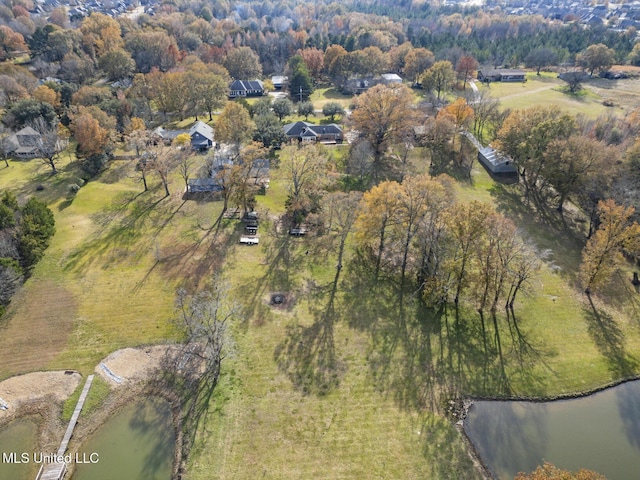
(284, 260)
(457, 164)
(182, 375)
(50, 188)
(123, 236)
(441, 441)
(547, 228)
(609, 340)
(524, 355)
(142, 424)
(424, 356)
(622, 295)
(307, 354)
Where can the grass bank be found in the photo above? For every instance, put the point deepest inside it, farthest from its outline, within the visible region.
(345, 382)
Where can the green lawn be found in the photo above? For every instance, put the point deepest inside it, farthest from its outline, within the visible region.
(350, 385)
(548, 90)
(321, 96)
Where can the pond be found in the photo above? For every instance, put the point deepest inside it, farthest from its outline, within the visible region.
(600, 432)
(18, 437)
(136, 443)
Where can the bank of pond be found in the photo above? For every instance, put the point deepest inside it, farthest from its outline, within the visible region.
(599, 432)
(137, 442)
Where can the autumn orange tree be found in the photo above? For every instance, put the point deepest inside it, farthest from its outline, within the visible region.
(436, 137)
(46, 94)
(603, 253)
(171, 93)
(314, 60)
(551, 472)
(525, 137)
(399, 224)
(378, 214)
(439, 77)
(467, 225)
(416, 62)
(92, 139)
(11, 42)
(101, 34)
(245, 189)
(465, 68)
(382, 115)
(206, 92)
(456, 251)
(234, 125)
(460, 113)
(306, 172)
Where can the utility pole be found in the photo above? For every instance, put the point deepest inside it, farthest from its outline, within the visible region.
(301, 93)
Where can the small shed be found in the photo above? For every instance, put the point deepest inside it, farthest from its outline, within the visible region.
(279, 81)
(496, 163)
(502, 75)
(390, 78)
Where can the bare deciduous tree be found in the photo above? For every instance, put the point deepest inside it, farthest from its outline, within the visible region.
(50, 142)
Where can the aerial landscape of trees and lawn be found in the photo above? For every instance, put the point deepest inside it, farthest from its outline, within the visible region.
(260, 239)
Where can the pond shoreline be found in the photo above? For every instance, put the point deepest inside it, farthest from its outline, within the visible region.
(138, 384)
(467, 404)
(554, 398)
(118, 400)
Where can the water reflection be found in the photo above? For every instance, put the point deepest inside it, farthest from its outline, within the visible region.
(628, 397)
(510, 433)
(17, 437)
(600, 432)
(136, 443)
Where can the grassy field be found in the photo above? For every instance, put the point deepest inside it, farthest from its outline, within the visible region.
(344, 382)
(548, 90)
(321, 96)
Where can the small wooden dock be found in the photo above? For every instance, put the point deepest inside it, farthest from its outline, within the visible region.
(55, 471)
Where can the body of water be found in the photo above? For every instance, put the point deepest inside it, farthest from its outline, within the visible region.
(18, 438)
(138, 442)
(600, 432)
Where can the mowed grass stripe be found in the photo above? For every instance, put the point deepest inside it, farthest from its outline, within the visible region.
(278, 432)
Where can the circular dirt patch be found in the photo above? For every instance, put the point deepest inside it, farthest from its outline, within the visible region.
(281, 300)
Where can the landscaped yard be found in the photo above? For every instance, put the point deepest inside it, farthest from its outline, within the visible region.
(345, 386)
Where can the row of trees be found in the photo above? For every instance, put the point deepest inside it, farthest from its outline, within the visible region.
(592, 163)
(414, 233)
(559, 156)
(25, 232)
(275, 33)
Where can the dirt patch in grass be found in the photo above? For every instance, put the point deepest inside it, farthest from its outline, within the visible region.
(131, 364)
(41, 394)
(623, 93)
(23, 390)
(36, 328)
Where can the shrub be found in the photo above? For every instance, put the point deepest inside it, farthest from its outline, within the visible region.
(95, 163)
